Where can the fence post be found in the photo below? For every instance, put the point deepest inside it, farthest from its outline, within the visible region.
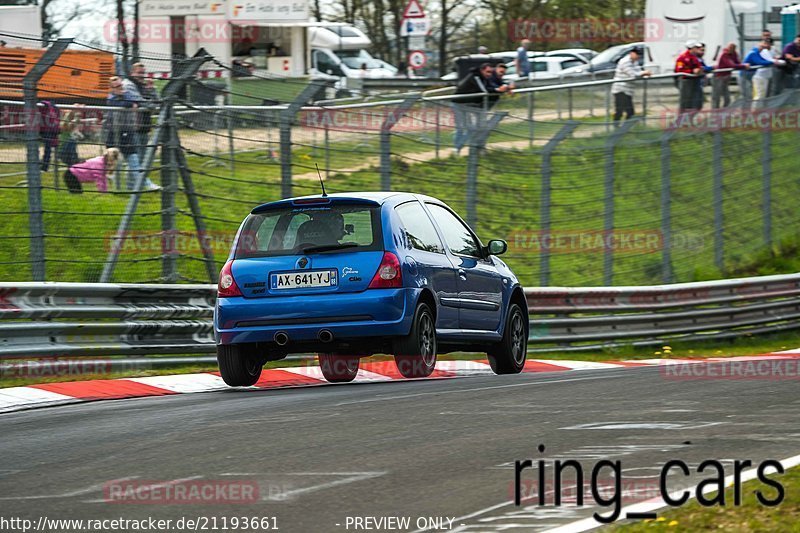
(286, 118)
(608, 200)
(169, 185)
(569, 100)
(34, 171)
(644, 99)
(666, 207)
(766, 165)
(327, 153)
(479, 130)
(392, 118)
(231, 142)
(438, 136)
(530, 118)
(719, 237)
(547, 173)
(215, 161)
(185, 72)
(194, 206)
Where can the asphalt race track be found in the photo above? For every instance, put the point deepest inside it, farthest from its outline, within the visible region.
(436, 448)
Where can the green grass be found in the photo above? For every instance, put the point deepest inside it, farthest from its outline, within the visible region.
(750, 516)
(509, 196)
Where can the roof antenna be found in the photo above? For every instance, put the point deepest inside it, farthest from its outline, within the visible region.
(321, 183)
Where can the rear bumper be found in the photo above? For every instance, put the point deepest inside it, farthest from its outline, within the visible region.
(371, 313)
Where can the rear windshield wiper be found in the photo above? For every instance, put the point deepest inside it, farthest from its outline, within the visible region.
(328, 248)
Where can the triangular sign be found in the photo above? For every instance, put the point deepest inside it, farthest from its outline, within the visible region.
(413, 10)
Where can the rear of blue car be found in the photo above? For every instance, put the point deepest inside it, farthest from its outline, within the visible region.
(351, 276)
(310, 275)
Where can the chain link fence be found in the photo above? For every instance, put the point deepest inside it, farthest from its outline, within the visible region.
(581, 201)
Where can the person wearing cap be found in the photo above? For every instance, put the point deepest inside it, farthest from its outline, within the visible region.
(691, 82)
(628, 68)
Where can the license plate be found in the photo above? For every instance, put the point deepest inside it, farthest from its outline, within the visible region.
(303, 280)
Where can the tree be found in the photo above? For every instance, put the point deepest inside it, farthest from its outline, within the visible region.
(451, 21)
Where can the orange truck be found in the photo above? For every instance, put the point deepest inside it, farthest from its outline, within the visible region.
(76, 76)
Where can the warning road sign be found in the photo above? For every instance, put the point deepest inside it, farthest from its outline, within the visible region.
(417, 59)
(413, 10)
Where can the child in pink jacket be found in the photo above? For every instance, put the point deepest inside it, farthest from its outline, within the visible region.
(98, 169)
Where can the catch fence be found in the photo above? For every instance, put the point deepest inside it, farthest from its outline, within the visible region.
(580, 201)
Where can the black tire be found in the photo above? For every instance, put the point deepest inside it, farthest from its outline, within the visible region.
(415, 354)
(508, 356)
(338, 368)
(238, 366)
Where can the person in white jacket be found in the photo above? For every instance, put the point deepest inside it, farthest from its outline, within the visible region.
(628, 68)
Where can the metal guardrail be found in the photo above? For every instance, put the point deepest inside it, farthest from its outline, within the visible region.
(74, 319)
(77, 319)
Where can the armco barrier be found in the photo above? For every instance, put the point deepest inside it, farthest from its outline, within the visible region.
(74, 319)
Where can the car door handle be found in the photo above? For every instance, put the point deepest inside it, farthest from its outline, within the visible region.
(462, 273)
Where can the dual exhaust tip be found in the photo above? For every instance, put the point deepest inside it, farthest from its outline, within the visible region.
(282, 338)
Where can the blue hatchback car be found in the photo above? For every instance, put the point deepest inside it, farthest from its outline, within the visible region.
(351, 275)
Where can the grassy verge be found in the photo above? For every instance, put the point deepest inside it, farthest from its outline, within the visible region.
(744, 346)
(750, 516)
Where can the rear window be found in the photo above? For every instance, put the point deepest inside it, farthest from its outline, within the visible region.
(312, 229)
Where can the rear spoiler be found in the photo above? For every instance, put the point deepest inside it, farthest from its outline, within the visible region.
(313, 201)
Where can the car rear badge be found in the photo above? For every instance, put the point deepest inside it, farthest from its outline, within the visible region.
(302, 262)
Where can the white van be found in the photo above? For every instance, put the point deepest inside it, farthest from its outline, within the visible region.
(340, 52)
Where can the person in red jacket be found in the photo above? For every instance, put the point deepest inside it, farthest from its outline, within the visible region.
(690, 84)
(720, 85)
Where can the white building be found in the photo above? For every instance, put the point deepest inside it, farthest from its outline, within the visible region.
(270, 33)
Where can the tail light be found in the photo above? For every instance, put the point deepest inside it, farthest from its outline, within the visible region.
(389, 274)
(227, 285)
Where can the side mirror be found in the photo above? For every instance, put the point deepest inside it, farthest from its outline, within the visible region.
(349, 229)
(497, 247)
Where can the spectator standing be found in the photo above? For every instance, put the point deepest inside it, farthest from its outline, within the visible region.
(628, 69)
(522, 62)
(122, 132)
(760, 56)
(141, 88)
(691, 83)
(483, 50)
(776, 80)
(98, 170)
(791, 55)
(49, 128)
(721, 84)
(701, 52)
(70, 135)
(478, 86)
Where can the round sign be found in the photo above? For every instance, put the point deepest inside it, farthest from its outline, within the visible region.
(417, 59)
